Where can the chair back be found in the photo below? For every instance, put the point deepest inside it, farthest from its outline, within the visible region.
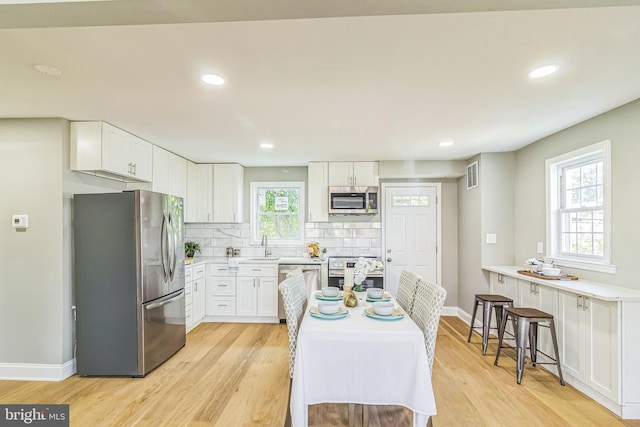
(407, 285)
(294, 299)
(426, 313)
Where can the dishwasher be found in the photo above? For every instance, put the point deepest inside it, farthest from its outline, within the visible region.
(312, 277)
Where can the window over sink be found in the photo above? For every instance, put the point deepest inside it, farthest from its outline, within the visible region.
(277, 211)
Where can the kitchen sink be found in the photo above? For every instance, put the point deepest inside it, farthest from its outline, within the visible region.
(263, 259)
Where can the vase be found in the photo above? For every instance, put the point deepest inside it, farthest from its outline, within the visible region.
(362, 297)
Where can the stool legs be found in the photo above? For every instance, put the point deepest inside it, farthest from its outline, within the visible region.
(555, 348)
(486, 325)
(521, 344)
(473, 318)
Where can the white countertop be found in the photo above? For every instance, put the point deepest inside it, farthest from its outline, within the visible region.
(256, 260)
(587, 288)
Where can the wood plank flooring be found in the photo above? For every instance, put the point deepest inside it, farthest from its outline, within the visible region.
(237, 375)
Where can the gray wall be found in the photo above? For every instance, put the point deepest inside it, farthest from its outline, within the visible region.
(36, 265)
(622, 127)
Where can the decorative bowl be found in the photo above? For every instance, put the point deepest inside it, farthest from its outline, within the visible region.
(328, 307)
(330, 291)
(383, 308)
(375, 293)
(551, 271)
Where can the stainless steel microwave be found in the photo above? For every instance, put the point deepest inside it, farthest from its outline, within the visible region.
(353, 200)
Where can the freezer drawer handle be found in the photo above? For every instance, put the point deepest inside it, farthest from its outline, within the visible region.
(162, 303)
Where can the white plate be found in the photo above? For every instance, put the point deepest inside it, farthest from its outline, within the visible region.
(397, 314)
(323, 298)
(341, 314)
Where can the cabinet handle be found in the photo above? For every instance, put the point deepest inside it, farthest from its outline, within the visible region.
(208, 217)
(135, 165)
(222, 286)
(256, 269)
(129, 167)
(585, 305)
(258, 280)
(579, 301)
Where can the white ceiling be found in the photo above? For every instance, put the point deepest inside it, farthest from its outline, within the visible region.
(384, 87)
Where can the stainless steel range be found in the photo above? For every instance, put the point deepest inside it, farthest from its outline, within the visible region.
(337, 264)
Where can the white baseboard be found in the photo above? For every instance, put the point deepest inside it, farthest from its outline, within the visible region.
(37, 372)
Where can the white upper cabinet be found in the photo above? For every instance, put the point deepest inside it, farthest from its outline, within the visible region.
(199, 193)
(169, 173)
(318, 191)
(228, 192)
(102, 148)
(353, 174)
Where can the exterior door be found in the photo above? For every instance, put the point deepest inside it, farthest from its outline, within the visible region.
(411, 232)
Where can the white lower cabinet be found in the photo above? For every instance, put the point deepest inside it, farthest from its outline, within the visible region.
(257, 291)
(589, 341)
(194, 289)
(221, 291)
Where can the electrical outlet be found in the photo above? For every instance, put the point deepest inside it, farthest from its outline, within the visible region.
(492, 238)
(540, 247)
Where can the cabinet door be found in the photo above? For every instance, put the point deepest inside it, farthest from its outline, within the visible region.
(496, 284)
(191, 200)
(178, 176)
(267, 296)
(246, 296)
(340, 173)
(365, 174)
(140, 154)
(227, 193)
(204, 196)
(161, 165)
(199, 299)
(318, 191)
(570, 333)
(115, 150)
(601, 346)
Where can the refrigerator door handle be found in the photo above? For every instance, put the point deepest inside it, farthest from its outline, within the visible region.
(173, 255)
(163, 236)
(165, 302)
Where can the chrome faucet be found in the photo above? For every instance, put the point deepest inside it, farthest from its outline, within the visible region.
(265, 243)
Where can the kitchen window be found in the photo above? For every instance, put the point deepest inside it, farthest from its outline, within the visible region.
(277, 211)
(579, 208)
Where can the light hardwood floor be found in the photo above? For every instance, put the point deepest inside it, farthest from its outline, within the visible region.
(237, 375)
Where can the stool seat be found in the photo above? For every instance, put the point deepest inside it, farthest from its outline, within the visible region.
(488, 302)
(493, 298)
(526, 323)
(529, 313)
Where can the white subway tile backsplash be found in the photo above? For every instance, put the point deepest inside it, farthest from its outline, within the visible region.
(329, 225)
(310, 234)
(338, 232)
(357, 225)
(366, 232)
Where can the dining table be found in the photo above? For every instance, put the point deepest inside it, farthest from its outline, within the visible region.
(360, 359)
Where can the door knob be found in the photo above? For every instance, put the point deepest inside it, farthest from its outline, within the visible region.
(388, 259)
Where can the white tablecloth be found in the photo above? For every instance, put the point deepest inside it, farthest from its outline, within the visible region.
(361, 360)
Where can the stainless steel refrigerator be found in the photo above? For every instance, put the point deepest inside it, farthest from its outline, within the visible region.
(129, 281)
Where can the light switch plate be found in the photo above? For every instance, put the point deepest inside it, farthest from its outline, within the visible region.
(492, 238)
(20, 221)
(540, 247)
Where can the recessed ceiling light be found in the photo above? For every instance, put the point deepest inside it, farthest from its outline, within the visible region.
(49, 70)
(543, 71)
(212, 79)
(445, 143)
(266, 145)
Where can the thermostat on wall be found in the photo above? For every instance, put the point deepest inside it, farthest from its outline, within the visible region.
(20, 221)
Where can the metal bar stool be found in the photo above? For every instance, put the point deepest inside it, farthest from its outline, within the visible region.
(527, 320)
(488, 301)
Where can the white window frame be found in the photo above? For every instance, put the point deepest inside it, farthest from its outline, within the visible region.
(257, 239)
(554, 187)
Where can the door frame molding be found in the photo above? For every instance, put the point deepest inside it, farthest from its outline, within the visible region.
(438, 186)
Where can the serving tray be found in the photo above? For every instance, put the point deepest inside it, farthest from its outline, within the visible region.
(542, 276)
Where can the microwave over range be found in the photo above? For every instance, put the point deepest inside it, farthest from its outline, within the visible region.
(353, 200)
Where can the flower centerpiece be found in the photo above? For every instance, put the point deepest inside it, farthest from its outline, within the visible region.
(533, 264)
(360, 270)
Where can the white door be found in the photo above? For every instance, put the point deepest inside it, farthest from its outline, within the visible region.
(411, 232)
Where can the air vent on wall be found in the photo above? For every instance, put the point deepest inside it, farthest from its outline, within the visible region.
(472, 175)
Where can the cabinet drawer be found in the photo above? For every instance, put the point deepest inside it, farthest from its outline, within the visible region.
(188, 295)
(219, 270)
(222, 286)
(188, 274)
(221, 306)
(199, 271)
(258, 270)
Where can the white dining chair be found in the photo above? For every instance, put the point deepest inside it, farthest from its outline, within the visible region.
(294, 299)
(427, 307)
(407, 284)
